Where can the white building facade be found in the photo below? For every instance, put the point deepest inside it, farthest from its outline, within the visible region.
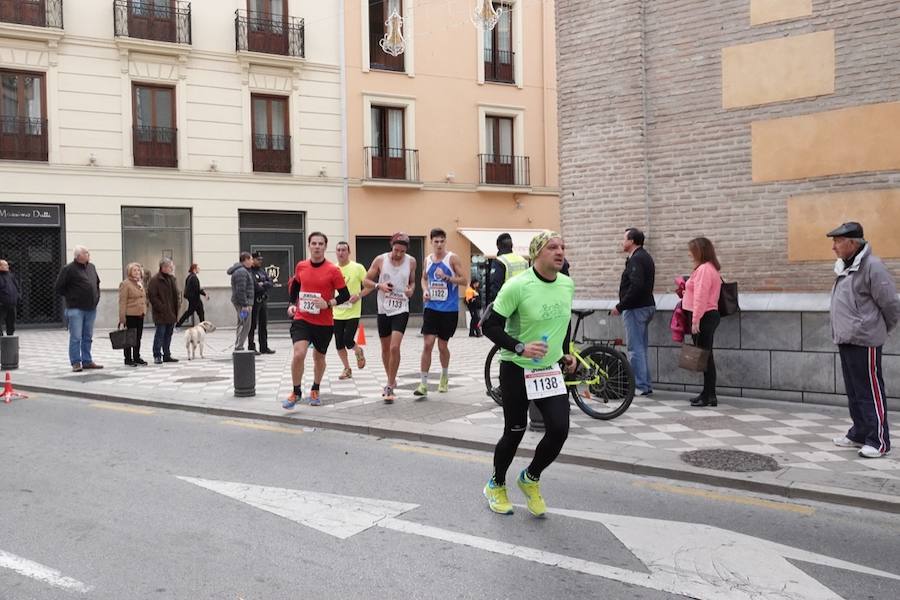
(164, 128)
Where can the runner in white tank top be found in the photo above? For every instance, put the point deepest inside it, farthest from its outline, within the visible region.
(393, 274)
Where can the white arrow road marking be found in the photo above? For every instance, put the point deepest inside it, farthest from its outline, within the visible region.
(690, 559)
(34, 570)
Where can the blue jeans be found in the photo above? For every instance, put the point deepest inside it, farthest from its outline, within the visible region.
(636, 322)
(81, 334)
(162, 340)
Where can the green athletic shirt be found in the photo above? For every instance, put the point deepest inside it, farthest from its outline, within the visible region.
(353, 273)
(534, 308)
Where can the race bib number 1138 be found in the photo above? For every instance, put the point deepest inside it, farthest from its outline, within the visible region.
(544, 383)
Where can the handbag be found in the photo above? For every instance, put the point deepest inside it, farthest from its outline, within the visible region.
(693, 358)
(122, 338)
(728, 298)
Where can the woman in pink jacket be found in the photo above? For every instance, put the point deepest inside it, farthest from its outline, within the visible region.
(701, 306)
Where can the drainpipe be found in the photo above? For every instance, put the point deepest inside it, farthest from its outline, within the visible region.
(645, 103)
(345, 183)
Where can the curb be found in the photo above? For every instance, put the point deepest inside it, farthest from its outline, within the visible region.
(792, 490)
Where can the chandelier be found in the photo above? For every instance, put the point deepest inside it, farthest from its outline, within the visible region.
(392, 42)
(485, 15)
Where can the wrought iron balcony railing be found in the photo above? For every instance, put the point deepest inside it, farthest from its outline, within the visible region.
(504, 169)
(155, 147)
(269, 33)
(22, 138)
(271, 153)
(38, 13)
(148, 21)
(498, 65)
(392, 163)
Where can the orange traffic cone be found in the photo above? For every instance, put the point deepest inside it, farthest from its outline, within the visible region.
(9, 394)
(360, 335)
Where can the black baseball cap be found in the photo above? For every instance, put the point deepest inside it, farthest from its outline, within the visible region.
(850, 229)
(257, 254)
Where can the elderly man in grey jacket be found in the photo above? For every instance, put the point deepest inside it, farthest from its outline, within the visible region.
(242, 297)
(864, 310)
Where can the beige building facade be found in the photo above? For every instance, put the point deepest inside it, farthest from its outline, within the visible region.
(458, 132)
(156, 129)
(760, 124)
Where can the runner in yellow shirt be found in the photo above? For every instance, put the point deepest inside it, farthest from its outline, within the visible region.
(347, 315)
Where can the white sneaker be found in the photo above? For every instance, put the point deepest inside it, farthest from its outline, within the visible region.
(845, 442)
(872, 452)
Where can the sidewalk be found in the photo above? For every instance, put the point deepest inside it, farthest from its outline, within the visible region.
(648, 439)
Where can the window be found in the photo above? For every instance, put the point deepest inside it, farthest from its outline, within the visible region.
(23, 128)
(498, 48)
(388, 151)
(159, 20)
(155, 135)
(271, 142)
(379, 11)
(24, 12)
(150, 234)
(498, 143)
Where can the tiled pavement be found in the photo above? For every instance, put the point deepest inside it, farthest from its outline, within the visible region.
(651, 434)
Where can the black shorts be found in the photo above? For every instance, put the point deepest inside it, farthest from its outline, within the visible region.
(345, 333)
(317, 335)
(387, 325)
(441, 324)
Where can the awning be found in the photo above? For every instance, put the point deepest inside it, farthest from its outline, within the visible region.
(486, 239)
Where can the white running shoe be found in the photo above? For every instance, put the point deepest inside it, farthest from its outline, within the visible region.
(845, 442)
(872, 452)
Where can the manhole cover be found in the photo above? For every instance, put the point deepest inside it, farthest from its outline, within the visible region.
(202, 379)
(736, 461)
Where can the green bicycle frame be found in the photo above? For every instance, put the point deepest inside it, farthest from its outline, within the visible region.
(587, 363)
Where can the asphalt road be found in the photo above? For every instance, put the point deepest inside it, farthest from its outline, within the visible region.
(91, 491)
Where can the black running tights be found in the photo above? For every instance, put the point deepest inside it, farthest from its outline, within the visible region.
(555, 411)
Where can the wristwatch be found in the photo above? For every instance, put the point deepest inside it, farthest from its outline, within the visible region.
(520, 348)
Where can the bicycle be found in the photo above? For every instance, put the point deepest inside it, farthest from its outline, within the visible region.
(603, 383)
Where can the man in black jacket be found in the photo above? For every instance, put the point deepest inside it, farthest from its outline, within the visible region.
(79, 284)
(637, 306)
(262, 283)
(9, 299)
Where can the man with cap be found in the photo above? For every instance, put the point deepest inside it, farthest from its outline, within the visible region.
(507, 265)
(864, 310)
(262, 283)
(393, 274)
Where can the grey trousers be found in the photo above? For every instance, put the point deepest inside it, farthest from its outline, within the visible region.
(243, 328)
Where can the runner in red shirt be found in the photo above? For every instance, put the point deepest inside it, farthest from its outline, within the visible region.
(312, 297)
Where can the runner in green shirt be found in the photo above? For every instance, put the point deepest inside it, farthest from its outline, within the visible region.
(529, 320)
(346, 316)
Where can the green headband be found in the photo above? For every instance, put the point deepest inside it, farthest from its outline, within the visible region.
(540, 241)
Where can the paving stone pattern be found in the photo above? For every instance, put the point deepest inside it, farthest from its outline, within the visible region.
(797, 436)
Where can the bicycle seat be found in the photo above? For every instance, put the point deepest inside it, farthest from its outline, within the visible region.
(583, 312)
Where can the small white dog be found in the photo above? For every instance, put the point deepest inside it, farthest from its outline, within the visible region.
(195, 337)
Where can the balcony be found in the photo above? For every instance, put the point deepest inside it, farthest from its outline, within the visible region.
(498, 66)
(271, 153)
(149, 21)
(22, 138)
(34, 13)
(381, 60)
(269, 34)
(392, 165)
(504, 170)
(155, 147)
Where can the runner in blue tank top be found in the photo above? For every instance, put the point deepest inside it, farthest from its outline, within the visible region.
(441, 279)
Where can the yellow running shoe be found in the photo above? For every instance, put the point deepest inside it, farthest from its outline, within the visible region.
(532, 491)
(444, 385)
(421, 390)
(498, 500)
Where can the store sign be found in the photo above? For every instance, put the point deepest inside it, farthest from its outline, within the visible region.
(29, 215)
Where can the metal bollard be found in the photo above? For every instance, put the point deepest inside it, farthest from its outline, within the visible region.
(9, 352)
(244, 373)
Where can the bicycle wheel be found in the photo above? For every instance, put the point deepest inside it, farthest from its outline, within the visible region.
(606, 386)
(492, 375)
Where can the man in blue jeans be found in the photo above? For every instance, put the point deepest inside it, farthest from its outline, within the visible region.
(79, 284)
(637, 306)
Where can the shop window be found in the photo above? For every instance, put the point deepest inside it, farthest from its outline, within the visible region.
(150, 234)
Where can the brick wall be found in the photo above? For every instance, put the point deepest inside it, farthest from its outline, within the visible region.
(698, 169)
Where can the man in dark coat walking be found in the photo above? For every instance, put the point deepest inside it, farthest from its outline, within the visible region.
(164, 301)
(9, 299)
